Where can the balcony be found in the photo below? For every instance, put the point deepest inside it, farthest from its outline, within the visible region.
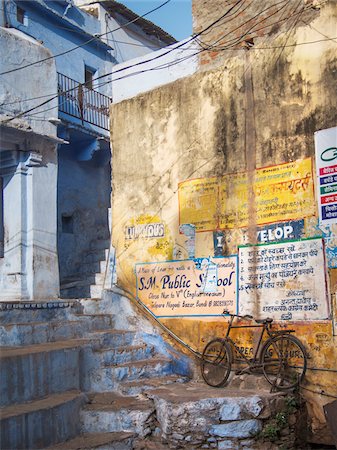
(85, 104)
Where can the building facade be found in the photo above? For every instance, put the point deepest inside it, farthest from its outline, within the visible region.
(82, 50)
(229, 206)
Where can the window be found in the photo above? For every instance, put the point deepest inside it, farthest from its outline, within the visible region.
(2, 227)
(88, 77)
(67, 224)
(21, 15)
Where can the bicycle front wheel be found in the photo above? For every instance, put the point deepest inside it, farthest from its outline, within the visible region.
(216, 362)
(284, 361)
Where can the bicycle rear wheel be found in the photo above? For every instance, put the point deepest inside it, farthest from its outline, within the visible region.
(216, 362)
(284, 361)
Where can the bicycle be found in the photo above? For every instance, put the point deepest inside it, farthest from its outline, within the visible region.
(282, 358)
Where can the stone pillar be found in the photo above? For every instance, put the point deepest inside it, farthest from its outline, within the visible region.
(29, 268)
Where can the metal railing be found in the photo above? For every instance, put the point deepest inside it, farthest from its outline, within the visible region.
(86, 104)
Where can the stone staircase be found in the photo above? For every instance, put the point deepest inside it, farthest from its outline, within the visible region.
(62, 376)
(75, 378)
(88, 282)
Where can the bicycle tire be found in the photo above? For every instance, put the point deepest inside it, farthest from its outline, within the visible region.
(216, 362)
(284, 361)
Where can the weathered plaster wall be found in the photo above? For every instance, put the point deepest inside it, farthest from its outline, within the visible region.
(258, 109)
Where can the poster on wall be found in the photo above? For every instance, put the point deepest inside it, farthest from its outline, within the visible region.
(189, 288)
(326, 172)
(284, 192)
(198, 203)
(285, 281)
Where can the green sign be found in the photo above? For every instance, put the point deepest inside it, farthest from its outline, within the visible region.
(332, 188)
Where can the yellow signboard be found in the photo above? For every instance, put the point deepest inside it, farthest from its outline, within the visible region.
(282, 192)
(194, 287)
(198, 203)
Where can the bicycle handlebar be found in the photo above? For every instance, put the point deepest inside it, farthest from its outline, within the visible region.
(247, 316)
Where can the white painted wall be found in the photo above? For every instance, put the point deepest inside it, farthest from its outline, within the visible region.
(29, 268)
(18, 49)
(157, 69)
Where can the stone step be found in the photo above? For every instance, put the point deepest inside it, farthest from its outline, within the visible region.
(99, 441)
(41, 423)
(110, 411)
(35, 371)
(249, 381)
(114, 338)
(110, 377)
(134, 370)
(31, 333)
(126, 354)
(141, 386)
(196, 414)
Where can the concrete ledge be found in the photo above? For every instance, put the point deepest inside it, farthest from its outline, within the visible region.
(31, 372)
(41, 423)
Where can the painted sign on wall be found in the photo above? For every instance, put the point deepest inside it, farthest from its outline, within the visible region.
(326, 171)
(199, 287)
(227, 241)
(282, 192)
(285, 281)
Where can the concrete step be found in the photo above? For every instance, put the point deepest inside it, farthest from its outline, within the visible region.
(41, 311)
(109, 411)
(78, 281)
(99, 278)
(100, 244)
(35, 371)
(141, 386)
(91, 305)
(76, 292)
(40, 332)
(41, 423)
(96, 291)
(99, 441)
(93, 267)
(96, 256)
(125, 354)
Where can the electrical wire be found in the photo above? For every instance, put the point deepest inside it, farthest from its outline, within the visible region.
(158, 67)
(84, 43)
(130, 66)
(236, 41)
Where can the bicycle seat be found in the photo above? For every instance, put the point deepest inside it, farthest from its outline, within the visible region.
(267, 320)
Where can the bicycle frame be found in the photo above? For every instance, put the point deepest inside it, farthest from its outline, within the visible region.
(251, 361)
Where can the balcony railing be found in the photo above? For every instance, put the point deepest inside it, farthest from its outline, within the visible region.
(85, 104)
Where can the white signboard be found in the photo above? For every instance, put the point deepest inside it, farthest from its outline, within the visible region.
(326, 170)
(285, 281)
